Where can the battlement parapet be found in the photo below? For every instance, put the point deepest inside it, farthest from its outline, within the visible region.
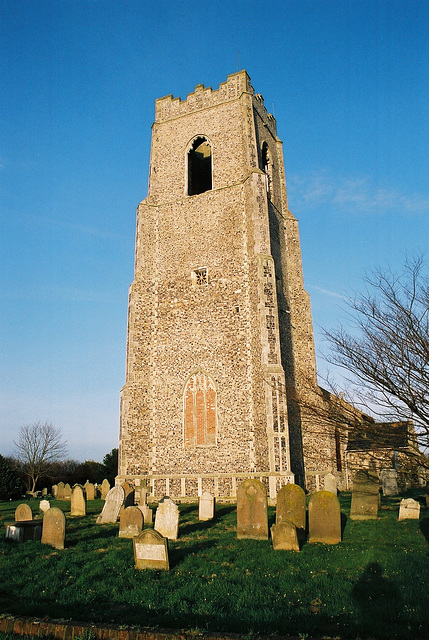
(203, 97)
(268, 118)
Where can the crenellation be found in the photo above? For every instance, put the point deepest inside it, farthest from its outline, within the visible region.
(203, 97)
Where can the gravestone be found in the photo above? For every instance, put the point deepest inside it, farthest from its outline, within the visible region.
(427, 494)
(67, 492)
(324, 518)
(105, 488)
(143, 506)
(284, 536)
(330, 483)
(23, 512)
(151, 550)
(54, 528)
(78, 501)
(291, 506)
(167, 519)
(54, 490)
(60, 491)
(365, 496)
(409, 509)
(44, 505)
(44, 492)
(130, 522)
(89, 490)
(112, 506)
(389, 482)
(252, 510)
(129, 494)
(206, 506)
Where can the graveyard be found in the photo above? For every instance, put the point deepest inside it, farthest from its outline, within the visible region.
(371, 584)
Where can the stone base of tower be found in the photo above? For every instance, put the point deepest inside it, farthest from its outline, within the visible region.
(189, 487)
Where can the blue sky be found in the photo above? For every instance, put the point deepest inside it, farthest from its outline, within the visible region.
(348, 83)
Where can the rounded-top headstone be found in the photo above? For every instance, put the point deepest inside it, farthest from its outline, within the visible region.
(167, 519)
(54, 528)
(324, 518)
(78, 501)
(130, 522)
(23, 513)
(252, 510)
(291, 506)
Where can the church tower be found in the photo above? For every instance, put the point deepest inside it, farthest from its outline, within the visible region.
(219, 325)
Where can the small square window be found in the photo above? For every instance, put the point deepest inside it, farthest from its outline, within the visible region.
(200, 276)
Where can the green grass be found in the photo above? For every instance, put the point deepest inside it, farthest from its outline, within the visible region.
(373, 584)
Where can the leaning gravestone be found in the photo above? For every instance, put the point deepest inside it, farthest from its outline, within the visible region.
(252, 510)
(365, 496)
(105, 488)
(151, 550)
(60, 491)
(330, 483)
(89, 490)
(23, 512)
(130, 522)
(54, 528)
(167, 519)
(409, 509)
(389, 482)
(206, 506)
(78, 501)
(291, 506)
(112, 506)
(67, 492)
(284, 536)
(324, 518)
(44, 505)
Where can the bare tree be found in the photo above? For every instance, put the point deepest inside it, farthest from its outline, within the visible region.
(38, 447)
(386, 349)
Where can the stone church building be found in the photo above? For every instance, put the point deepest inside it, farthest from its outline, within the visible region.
(221, 375)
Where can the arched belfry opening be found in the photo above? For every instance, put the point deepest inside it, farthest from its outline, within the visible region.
(199, 166)
(267, 167)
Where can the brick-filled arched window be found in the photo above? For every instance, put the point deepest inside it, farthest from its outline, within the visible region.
(199, 400)
(199, 167)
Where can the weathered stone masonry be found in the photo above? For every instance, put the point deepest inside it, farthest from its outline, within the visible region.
(220, 341)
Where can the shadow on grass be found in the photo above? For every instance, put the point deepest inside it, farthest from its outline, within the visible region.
(176, 556)
(343, 524)
(101, 534)
(378, 600)
(201, 525)
(424, 528)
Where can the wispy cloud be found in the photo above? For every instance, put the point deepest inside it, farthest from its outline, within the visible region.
(326, 292)
(358, 195)
(81, 229)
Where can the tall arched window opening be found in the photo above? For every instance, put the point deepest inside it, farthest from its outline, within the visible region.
(199, 401)
(267, 167)
(199, 167)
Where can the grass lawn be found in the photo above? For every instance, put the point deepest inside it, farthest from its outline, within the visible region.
(373, 584)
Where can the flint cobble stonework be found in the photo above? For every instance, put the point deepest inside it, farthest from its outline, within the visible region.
(219, 324)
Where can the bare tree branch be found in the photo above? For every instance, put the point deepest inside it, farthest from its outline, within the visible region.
(386, 350)
(38, 447)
